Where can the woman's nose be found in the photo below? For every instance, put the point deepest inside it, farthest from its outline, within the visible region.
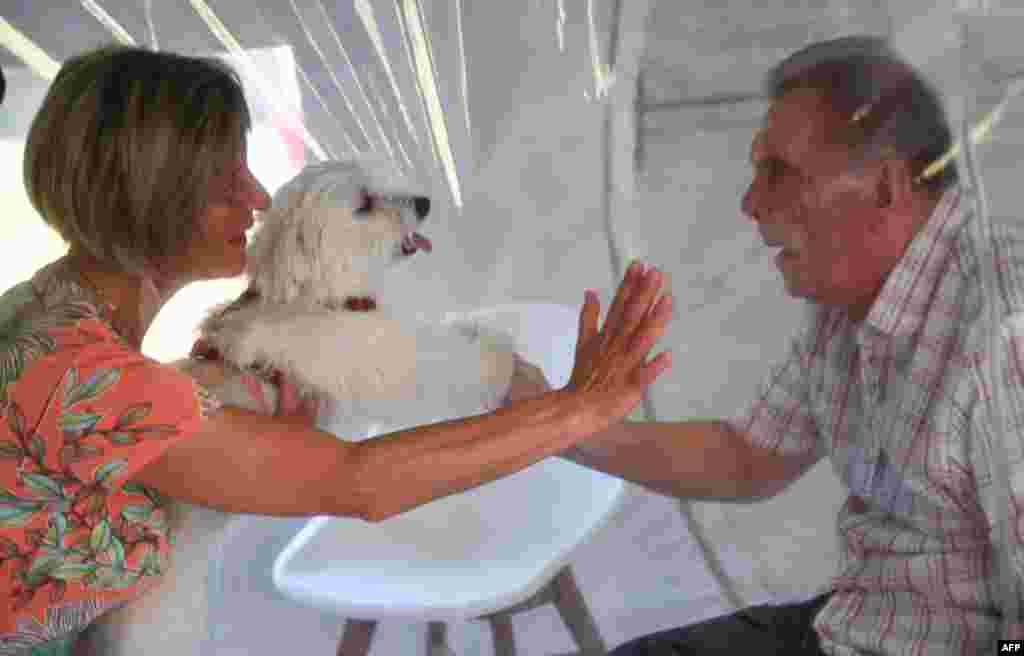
(263, 199)
(258, 197)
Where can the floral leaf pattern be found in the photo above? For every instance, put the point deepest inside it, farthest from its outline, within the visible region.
(71, 528)
(53, 636)
(99, 381)
(27, 321)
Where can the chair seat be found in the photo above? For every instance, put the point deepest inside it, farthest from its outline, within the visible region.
(455, 558)
(468, 554)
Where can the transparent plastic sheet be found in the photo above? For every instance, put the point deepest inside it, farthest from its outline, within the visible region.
(396, 77)
(497, 108)
(502, 109)
(993, 79)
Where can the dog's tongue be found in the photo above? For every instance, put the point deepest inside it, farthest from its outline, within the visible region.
(422, 242)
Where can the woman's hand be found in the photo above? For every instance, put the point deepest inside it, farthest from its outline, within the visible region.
(290, 404)
(528, 382)
(611, 370)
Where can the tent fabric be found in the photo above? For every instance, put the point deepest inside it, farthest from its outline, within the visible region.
(559, 139)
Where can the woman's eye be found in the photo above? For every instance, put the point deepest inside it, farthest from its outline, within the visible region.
(229, 183)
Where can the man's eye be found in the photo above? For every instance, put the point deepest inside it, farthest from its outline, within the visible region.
(771, 167)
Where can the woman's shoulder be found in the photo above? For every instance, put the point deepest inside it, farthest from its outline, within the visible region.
(81, 412)
(46, 316)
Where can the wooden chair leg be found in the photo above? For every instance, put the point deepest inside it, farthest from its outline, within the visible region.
(356, 639)
(501, 631)
(573, 608)
(437, 640)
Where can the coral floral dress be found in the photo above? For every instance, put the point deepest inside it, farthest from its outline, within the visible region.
(81, 412)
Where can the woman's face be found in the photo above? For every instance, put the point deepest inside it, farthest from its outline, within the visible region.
(218, 248)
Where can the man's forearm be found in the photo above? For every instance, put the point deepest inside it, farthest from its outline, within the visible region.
(700, 460)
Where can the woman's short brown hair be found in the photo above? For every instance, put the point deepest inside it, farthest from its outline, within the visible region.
(121, 157)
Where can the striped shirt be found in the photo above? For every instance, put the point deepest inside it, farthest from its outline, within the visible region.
(895, 402)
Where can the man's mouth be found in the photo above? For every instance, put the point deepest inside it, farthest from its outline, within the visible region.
(415, 242)
(784, 251)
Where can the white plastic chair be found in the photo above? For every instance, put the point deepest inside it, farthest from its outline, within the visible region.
(486, 553)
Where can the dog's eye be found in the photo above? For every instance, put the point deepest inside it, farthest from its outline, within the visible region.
(367, 204)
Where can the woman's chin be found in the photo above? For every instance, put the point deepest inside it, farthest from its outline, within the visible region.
(227, 269)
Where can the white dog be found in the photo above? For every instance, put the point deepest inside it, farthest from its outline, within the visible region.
(325, 309)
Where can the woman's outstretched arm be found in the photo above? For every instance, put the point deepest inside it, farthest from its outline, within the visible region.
(242, 461)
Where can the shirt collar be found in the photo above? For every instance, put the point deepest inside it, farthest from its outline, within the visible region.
(901, 306)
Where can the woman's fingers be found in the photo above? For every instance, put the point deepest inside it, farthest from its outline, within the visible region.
(651, 328)
(633, 277)
(639, 305)
(650, 372)
(588, 320)
(616, 354)
(627, 335)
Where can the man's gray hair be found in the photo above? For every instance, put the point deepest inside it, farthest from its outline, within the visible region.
(890, 106)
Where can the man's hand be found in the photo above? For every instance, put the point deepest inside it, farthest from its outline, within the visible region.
(528, 382)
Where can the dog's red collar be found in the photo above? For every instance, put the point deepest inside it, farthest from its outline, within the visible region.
(204, 350)
(360, 303)
(352, 303)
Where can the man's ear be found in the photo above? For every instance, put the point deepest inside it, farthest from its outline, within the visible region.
(895, 185)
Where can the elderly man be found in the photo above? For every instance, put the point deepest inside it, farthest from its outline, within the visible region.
(882, 379)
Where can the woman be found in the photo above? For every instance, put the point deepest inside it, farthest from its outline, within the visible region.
(137, 159)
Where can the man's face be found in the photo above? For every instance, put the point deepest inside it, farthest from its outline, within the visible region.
(807, 199)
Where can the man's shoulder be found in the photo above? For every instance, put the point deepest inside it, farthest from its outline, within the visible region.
(972, 259)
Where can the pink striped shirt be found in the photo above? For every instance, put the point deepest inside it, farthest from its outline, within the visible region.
(895, 405)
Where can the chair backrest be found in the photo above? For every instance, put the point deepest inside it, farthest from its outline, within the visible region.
(544, 334)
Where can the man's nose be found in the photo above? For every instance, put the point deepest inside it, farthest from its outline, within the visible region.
(749, 205)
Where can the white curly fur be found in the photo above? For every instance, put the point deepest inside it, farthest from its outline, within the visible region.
(370, 370)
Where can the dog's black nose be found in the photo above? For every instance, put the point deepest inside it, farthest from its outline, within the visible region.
(422, 204)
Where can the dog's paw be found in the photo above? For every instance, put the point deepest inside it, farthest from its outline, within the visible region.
(487, 336)
(497, 356)
(497, 365)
